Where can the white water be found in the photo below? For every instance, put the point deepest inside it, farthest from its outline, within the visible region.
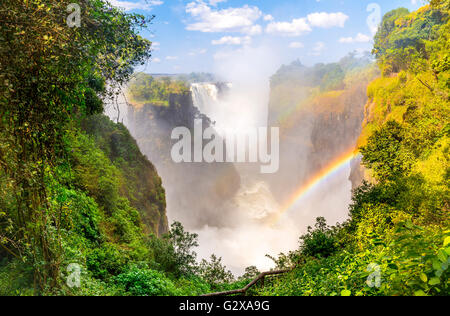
(235, 109)
(252, 235)
(249, 236)
(205, 96)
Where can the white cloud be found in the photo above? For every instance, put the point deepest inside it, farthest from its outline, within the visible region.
(295, 28)
(171, 58)
(360, 38)
(302, 26)
(252, 30)
(140, 5)
(156, 60)
(230, 40)
(215, 2)
(327, 20)
(211, 20)
(268, 17)
(296, 45)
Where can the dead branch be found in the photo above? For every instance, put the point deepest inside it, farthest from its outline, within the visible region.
(243, 291)
(426, 85)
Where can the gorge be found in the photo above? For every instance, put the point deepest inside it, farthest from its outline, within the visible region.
(93, 203)
(234, 208)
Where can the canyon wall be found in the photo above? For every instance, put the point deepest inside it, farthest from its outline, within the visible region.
(196, 192)
(320, 111)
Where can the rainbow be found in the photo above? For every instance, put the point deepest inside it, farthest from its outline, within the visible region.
(326, 173)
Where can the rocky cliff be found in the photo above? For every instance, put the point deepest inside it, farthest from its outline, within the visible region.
(320, 111)
(141, 183)
(196, 192)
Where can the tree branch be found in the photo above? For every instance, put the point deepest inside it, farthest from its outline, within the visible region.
(426, 85)
(251, 284)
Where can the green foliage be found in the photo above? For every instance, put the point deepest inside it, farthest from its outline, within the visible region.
(411, 260)
(81, 211)
(382, 153)
(250, 273)
(144, 89)
(15, 278)
(183, 242)
(214, 272)
(296, 86)
(318, 242)
(105, 261)
(141, 185)
(396, 240)
(145, 282)
(325, 76)
(51, 76)
(400, 42)
(174, 252)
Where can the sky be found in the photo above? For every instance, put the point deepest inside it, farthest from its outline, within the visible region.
(197, 35)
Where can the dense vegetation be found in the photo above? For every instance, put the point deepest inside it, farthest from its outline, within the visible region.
(78, 198)
(397, 240)
(145, 89)
(82, 210)
(294, 86)
(320, 110)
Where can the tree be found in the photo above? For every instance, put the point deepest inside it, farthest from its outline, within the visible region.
(250, 273)
(183, 242)
(51, 76)
(383, 152)
(174, 252)
(319, 241)
(214, 272)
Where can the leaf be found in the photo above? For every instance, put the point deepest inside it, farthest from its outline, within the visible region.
(442, 255)
(346, 293)
(419, 293)
(393, 266)
(434, 281)
(424, 277)
(446, 241)
(436, 265)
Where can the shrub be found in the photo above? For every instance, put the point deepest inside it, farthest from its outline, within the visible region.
(105, 261)
(319, 241)
(145, 282)
(214, 272)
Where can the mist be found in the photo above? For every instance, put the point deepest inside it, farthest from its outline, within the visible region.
(249, 235)
(232, 206)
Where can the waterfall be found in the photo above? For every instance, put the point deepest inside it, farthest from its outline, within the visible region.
(246, 237)
(204, 96)
(230, 107)
(208, 99)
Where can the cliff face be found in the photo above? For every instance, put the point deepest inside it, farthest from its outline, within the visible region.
(196, 192)
(320, 120)
(141, 185)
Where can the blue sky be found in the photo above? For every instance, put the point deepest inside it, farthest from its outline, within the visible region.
(195, 35)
